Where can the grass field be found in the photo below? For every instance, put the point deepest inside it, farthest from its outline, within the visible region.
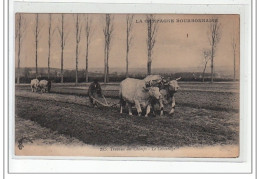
(206, 114)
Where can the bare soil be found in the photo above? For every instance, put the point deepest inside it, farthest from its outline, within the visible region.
(201, 118)
(40, 135)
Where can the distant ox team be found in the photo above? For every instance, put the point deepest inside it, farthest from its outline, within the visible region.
(43, 85)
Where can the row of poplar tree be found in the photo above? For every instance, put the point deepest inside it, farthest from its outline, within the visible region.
(214, 37)
(108, 30)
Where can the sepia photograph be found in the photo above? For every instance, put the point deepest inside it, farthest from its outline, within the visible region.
(127, 85)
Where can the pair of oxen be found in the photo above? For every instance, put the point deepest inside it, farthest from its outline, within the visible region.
(43, 85)
(152, 90)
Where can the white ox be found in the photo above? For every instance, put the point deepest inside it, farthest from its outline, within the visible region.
(167, 90)
(34, 85)
(134, 92)
(45, 85)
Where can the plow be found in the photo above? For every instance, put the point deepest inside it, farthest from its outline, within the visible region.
(105, 103)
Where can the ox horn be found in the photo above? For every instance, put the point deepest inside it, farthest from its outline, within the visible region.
(178, 78)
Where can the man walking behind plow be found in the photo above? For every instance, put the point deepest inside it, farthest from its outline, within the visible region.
(94, 92)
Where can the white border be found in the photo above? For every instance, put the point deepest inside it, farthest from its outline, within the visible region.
(182, 2)
(240, 165)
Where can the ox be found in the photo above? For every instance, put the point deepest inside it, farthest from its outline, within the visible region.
(34, 85)
(134, 92)
(45, 85)
(167, 90)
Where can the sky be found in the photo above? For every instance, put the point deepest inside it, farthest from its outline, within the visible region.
(178, 44)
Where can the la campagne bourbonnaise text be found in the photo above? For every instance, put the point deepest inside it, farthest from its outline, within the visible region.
(178, 20)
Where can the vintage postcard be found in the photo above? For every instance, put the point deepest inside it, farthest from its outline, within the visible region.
(127, 85)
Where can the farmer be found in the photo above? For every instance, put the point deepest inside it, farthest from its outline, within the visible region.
(94, 91)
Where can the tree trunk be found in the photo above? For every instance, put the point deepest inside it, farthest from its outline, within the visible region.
(149, 48)
(18, 76)
(49, 47)
(61, 68)
(105, 64)
(107, 80)
(126, 73)
(203, 74)
(19, 51)
(87, 64)
(107, 73)
(108, 29)
(77, 48)
(36, 58)
(212, 56)
(234, 79)
(62, 46)
(18, 72)
(149, 63)
(36, 45)
(49, 64)
(88, 37)
(127, 50)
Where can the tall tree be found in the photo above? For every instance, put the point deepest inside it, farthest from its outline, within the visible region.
(20, 33)
(129, 38)
(36, 34)
(78, 28)
(89, 31)
(206, 57)
(214, 36)
(234, 50)
(152, 28)
(63, 38)
(107, 30)
(50, 33)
